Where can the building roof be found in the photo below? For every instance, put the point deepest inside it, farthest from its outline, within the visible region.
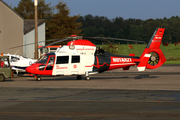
(11, 8)
(29, 24)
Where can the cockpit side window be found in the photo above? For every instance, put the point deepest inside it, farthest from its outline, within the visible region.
(51, 60)
(62, 59)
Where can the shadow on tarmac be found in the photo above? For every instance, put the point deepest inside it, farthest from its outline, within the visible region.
(73, 78)
(144, 76)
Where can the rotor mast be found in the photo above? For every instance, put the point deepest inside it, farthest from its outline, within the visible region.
(36, 30)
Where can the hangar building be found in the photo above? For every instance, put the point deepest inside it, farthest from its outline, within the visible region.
(15, 31)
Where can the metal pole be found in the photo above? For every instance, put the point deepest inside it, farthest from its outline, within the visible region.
(36, 29)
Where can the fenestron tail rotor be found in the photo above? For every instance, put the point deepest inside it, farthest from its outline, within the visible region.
(154, 59)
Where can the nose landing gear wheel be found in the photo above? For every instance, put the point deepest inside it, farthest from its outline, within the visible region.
(38, 78)
(154, 59)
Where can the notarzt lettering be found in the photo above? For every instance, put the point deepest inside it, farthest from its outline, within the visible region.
(122, 60)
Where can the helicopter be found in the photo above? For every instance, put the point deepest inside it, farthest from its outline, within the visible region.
(80, 57)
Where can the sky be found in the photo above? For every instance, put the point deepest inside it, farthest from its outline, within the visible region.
(138, 9)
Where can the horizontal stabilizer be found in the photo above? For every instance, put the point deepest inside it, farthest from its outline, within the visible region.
(131, 54)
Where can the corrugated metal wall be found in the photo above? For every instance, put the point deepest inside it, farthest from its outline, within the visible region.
(30, 38)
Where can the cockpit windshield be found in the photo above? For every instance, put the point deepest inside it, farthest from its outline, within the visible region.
(14, 59)
(43, 59)
(61, 49)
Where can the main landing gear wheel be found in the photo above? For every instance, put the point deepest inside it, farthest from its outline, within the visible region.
(79, 77)
(154, 59)
(87, 78)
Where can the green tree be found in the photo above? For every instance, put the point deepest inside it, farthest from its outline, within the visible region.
(26, 9)
(136, 32)
(62, 25)
(130, 28)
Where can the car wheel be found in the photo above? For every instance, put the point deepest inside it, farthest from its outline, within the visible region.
(2, 78)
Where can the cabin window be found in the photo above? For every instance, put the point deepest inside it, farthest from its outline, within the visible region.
(75, 59)
(62, 59)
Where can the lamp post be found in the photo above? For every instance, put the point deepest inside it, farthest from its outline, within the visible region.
(36, 29)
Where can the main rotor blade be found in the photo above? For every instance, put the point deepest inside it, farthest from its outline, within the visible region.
(92, 38)
(115, 39)
(54, 43)
(32, 43)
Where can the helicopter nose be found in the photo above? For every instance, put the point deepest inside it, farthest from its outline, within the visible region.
(30, 69)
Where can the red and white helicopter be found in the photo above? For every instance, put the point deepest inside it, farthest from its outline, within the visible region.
(81, 57)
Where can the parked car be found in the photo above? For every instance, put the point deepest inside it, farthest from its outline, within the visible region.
(5, 68)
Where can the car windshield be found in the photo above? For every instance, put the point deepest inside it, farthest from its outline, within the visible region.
(43, 59)
(4, 62)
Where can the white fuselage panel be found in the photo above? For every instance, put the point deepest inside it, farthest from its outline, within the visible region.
(80, 60)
